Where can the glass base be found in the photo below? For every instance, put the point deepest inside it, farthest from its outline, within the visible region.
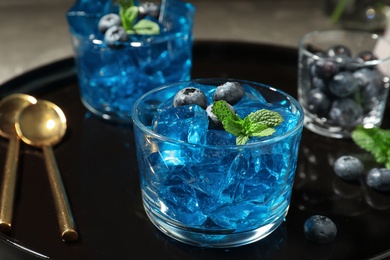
(213, 240)
(111, 117)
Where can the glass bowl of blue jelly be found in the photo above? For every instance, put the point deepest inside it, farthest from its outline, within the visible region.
(217, 159)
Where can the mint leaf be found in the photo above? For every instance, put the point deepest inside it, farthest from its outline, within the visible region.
(387, 164)
(128, 17)
(265, 132)
(374, 140)
(267, 117)
(233, 127)
(258, 124)
(146, 27)
(223, 112)
(242, 139)
(129, 14)
(253, 127)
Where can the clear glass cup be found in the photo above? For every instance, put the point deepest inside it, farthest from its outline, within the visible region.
(343, 80)
(214, 195)
(111, 79)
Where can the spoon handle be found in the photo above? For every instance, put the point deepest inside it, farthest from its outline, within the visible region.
(64, 214)
(8, 185)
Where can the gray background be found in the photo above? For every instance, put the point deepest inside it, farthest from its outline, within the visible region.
(35, 33)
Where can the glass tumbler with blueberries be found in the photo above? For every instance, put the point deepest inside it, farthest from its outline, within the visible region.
(343, 80)
(125, 48)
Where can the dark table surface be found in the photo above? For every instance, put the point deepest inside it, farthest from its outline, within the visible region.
(98, 165)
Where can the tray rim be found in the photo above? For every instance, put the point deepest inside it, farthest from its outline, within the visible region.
(63, 71)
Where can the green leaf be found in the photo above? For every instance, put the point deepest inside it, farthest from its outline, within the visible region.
(242, 139)
(256, 128)
(223, 112)
(374, 140)
(266, 132)
(128, 17)
(129, 14)
(364, 137)
(258, 124)
(233, 127)
(146, 27)
(267, 117)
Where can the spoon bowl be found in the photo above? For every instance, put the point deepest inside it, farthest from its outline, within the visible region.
(9, 107)
(43, 125)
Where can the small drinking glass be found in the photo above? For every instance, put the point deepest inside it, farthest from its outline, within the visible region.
(206, 191)
(343, 80)
(111, 78)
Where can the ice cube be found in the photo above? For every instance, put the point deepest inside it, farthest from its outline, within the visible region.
(230, 215)
(252, 94)
(179, 201)
(185, 123)
(244, 108)
(220, 137)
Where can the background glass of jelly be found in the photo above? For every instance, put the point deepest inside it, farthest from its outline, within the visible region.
(341, 89)
(111, 79)
(216, 195)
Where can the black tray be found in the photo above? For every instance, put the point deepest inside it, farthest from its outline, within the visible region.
(98, 165)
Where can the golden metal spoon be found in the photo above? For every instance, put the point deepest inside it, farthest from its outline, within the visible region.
(9, 106)
(42, 125)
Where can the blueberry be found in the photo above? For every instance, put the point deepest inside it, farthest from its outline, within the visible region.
(318, 102)
(365, 56)
(148, 9)
(343, 84)
(231, 92)
(318, 82)
(189, 95)
(365, 76)
(214, 122)
(346, 112)
(320, 229)
(338, 50)
(348, 167)
(379, 179)
(114, 35)
(108, 21)
(371, 83)
(325, 68)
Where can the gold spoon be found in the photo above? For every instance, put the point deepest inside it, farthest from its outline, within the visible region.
(9, 106)
(42, 125)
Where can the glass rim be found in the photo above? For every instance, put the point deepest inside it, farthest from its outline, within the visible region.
(373, 36)
(147, 40)
(261, 142)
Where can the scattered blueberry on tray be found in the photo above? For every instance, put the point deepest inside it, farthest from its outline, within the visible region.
(348, 167)
(320, 229)
(379, 179)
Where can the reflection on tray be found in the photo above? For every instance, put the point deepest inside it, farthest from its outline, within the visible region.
(322, 191)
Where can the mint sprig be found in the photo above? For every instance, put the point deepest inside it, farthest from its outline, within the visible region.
(257, 124)
(374, 140)
(128, 12)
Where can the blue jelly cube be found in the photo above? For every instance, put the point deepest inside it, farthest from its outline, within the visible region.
(184, 123)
